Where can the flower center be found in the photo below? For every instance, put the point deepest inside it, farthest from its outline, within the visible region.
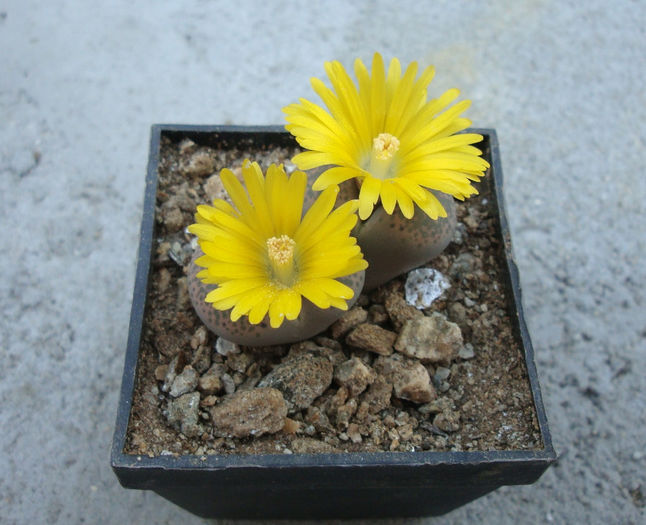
(384, 146)
(281, 257)
(382, 157)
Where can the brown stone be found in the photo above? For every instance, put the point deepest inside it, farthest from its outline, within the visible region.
(409, 378)
(291, 426)
(199, 165)
(172, 218)
(301, 379)
(332, 352)
(184, 382)
(184, 413)
(318, 419)
(458, 313)
(249, 413)
(239, 362)
(167, 346)
(372, 338)
(210, 384)
(200, 337)
(208, 401)
(160, 372)
(201, 359)
(187, 146)
(175, 366)
(225, 347)
(447, 421)
(345, 412)
(328, 342)
(431, 339)
(399, 310)
(353, 433)
(354, 375)
(377, 314)
(353, 317)
(377, 397)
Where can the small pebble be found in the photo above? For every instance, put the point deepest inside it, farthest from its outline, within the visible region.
(229, 384)
(301, 379)
(184, 382)
(353, 317)
(249, 413)
(466, 352)
(372, 338)
(225, 347)
(442, 374)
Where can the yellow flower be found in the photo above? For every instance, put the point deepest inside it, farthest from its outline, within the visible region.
(388, 135)
(264, 256)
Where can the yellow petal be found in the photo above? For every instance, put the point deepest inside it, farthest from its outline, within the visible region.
(236, 226)
(432, 207)
(444, 144)
(276, 313)
(334, 288)
(414, 191)
(452, 182)
(275, 188)
(434, 127)
(388, 196)
(448, 161)
(231, 253)
(392, 80)
(426, 114)
(235, 271)
(335, 176)
(291, 302)
(339, 222)
(255, 184)
(378, 94)
(308, 160)
(400, 99)
(363, 78)
(258, 312)
(293, 201)
(236, 191)
(339, 303)
(349, 98)
(206, 232)
(415, 102)
(314, 294)
(317, 213)
(234, 287)
(368, 196)
(405, 203)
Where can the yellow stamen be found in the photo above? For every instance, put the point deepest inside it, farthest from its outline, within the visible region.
(381, 163)
(384, 146)
(281, 256)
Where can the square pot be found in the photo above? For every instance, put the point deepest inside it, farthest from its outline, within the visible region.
(320, 486)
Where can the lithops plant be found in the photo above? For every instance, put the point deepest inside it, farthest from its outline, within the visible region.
(403, 151)
(268, 271)
(394, 244)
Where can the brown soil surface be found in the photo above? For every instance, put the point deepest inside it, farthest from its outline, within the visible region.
(483, 397)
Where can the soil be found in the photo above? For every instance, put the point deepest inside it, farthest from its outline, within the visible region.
(481, 400)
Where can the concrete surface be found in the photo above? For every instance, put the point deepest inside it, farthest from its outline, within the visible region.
(80, 84)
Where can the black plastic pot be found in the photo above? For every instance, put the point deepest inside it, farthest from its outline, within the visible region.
(346, 485)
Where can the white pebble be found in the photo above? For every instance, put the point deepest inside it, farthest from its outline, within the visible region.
(423, 286)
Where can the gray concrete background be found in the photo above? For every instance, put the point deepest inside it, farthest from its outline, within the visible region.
(80, 84)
